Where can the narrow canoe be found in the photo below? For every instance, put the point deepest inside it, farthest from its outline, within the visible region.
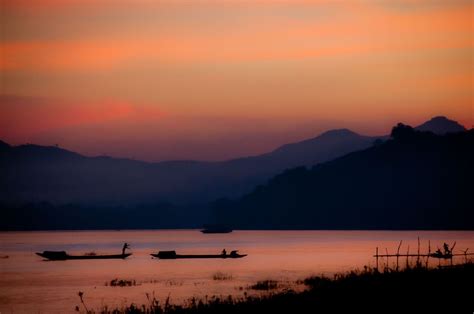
(216, 229)
(209, 231)
(62, 256)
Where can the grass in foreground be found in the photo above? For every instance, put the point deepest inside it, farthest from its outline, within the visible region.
(221, 276)
(265, 285)
(446, 290)
(121, 283)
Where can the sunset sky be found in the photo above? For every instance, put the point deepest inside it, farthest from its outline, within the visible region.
(211, 80)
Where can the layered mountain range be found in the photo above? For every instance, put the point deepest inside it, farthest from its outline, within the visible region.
(167, 191)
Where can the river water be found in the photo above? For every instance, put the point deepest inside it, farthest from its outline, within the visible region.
(28, 284)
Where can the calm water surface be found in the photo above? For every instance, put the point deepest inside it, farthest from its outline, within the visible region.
(29, 284)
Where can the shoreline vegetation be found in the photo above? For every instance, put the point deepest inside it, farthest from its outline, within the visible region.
(415, 287)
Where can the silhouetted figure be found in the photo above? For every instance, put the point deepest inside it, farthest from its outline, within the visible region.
(447, 251)
(125, 246)
(224, 252)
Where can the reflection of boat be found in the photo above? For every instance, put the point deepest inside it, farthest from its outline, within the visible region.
(216, 229)
(173, 255)
(62, 256)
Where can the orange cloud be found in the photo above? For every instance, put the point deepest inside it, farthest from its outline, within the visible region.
(367, 30)
(350, 60)
(24, 117)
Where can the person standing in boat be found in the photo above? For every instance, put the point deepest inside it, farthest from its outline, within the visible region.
(224, 252)
(125, 246)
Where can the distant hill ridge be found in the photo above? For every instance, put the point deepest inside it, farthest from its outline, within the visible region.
(72, 177)
(416, 180)
(32, 173)
(52, 188)
(441, 125)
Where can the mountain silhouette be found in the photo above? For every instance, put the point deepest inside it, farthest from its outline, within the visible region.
(39, 173)
(415, 180)
(4, 146)
(45, 179)
(441, 125)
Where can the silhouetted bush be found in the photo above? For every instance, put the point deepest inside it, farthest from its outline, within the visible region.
(402, 132)
(221, 276)
(265, 285)
(439, 290)
(121, 283)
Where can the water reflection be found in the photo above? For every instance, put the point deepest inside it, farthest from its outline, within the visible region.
(29, 284)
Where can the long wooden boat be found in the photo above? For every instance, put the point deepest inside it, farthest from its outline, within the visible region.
(216, 228)
(173, 255)
(62, 256)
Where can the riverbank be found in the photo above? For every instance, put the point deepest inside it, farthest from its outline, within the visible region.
(447, 289)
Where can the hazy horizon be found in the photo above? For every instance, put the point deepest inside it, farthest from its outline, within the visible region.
(262, 149)
(211, 80)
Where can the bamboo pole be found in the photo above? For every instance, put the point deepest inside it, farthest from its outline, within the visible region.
(418, 252)
(418, 255)
(429, 252)
(398, 252)
(408, 254)
(377, 259)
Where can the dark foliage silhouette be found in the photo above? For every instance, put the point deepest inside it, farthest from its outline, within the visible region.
(415, 180)
(402, 132)
(412, 289)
